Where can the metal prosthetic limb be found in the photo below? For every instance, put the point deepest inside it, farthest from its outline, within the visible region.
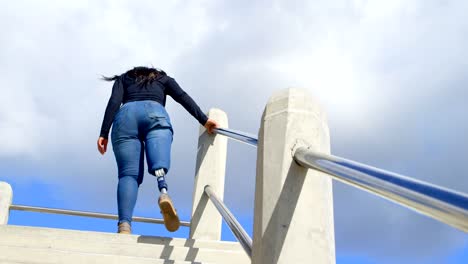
(162, 185)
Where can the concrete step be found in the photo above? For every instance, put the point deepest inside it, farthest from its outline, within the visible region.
(12, 254)
(121, 239)
(114, 246)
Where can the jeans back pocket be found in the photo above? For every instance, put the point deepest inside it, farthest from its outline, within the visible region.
(158, 116)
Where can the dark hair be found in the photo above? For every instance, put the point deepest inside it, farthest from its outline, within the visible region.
(141, 74)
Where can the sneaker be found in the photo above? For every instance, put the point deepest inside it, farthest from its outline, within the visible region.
(171, 219)
(124, 228)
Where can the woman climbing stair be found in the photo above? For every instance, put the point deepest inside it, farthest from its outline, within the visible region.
(140, 124)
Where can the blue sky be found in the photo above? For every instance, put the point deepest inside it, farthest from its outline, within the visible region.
(390, 74)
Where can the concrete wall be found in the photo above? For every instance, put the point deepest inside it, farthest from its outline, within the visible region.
(210, 170)
(293, 221)
(6, 197)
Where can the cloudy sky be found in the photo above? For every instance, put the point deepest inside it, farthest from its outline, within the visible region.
(390, 74)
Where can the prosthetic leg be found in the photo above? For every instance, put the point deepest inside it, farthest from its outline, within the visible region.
(171, 219)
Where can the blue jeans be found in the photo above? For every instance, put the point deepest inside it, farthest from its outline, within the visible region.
(139, 127)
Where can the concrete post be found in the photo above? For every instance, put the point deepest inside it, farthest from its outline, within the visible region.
(6, 197)
(210, 170)
(293, 219)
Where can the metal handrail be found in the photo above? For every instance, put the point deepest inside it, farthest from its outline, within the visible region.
(234, 225)
(443, 204)
(88, 214)
(237, 135)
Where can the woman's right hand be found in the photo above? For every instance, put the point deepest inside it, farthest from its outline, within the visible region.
(102, 145)
(210, 125)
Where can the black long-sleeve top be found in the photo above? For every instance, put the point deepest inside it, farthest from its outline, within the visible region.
(126, 89)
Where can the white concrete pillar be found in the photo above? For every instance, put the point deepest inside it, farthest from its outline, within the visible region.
(293, 217)
(6, 197)
(210, 170)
